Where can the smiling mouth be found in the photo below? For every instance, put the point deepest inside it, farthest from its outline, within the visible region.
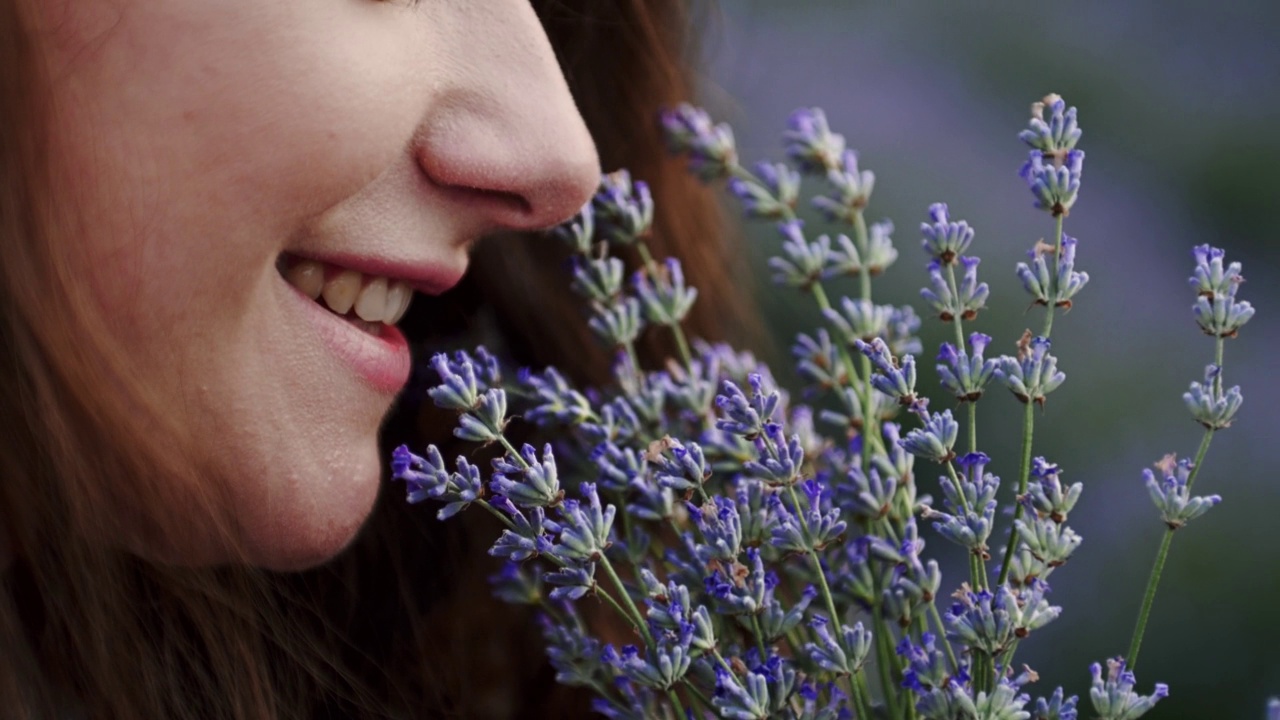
(370, 302)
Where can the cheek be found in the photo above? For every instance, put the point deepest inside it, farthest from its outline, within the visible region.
(197, 140)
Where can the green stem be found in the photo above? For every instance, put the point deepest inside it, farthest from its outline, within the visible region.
(973, 427)
(675, 701)
(1157, 568)
(864, 690)
(511, 450)
(884, 655)
(759, 636)
(638, 619)
(1053, 278)
(869, 436)
(494, 511)
(1028, 429)
(861, 707)
(942, 635)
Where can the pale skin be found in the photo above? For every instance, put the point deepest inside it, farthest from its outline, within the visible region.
(201, 140)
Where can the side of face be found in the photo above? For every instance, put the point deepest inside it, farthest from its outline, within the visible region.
(214, 148)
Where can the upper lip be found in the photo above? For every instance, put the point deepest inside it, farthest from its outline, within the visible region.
(427, 277)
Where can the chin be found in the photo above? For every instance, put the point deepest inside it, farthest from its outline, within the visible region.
(317, 525)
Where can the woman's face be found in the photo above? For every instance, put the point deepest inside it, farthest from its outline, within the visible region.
(262, 182)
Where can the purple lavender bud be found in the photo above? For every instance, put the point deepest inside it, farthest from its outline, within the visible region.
(1057, 136)
(1113, 696)
(770, 195)
(584, 531)
(485, 422)
(1210, 278)
(710, 146)
(1032, 375)
(745, 698)
(802, 263)
(859, 320)
(574, 655)
(944, 240)
(554, 400)
(844, 654)
(597, 279)
(531, 534)
(579, 231)
(572, 581)
(459, 388)
(1172, 496)
(1049, 542)
(810, 142)
(518, 584)
(1037, 281)
(964, 376)
(1056, 707)
(746, 416)
(618, 323)
(1216, 309)
(808, 528)
(867, 496)
(721, 531)
(665, 299)
(851, 190)
(526, 480)
(1209, 405)
(1046, 496)
(818, 360)
(935, 439)
(779, 458)
(423, 477)
(1054, 185)
(623, 209)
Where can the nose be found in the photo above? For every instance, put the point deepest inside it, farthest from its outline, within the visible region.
(506, 136)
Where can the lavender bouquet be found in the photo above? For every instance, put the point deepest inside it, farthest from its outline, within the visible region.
(767, 570)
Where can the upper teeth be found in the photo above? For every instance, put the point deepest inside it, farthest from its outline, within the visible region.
(375, 299)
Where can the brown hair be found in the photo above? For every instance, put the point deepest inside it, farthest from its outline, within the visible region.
(400, 623)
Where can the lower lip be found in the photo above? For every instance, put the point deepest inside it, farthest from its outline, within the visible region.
(382, 362)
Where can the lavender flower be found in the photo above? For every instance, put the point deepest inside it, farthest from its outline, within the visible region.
(618, 323)
(813, 527)
(526, 480)
(687, 468)
(1038, 282)
(1216, 309)
(598, 279)
(555, 400)
(896, 381)
(945, 240)
(517, 584)
(746, 416)
(428, 478)
(721, 529)
(935, 439)
(773, 196)
(665, 299)
(710, 146)
(741, 699)
(810, 142)
(1113, 696)
(1172, 496)
(459, 389)
(1033, 374)
(878, 254)
(927, 668)
(969, 297)
(971, 505)
(843, 654)
(818, 360)
(779, 458)
(1046, 496)
(852, 189)
(574, 656)
(584, 532)
(532, 535)
(1055, 185)
(859, 320)
(623, 209)
(965, 376)
(804, 263)
(1057, 136)
(1049, 542)
(1055, 707)
(580, 231)
(660, 668)
(572, 581)
(1209, 405)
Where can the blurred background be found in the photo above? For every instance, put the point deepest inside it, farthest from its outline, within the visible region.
(1178, 102)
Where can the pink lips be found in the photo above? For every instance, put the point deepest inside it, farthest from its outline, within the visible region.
(383, 360)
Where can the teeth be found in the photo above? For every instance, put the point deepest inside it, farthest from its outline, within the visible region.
(307, 276)
(371, 305)
(398, 296)
(341, 291)
(377, 300)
